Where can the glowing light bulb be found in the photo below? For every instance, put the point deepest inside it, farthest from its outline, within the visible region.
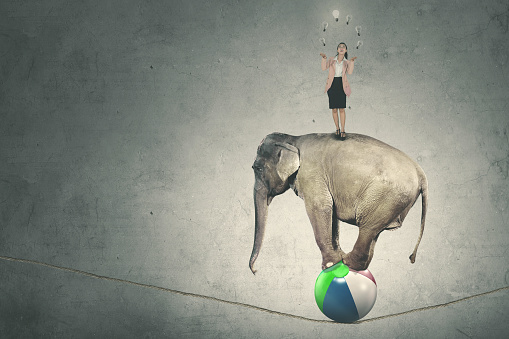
(348, 18)
(324, 25)
(335, 14)
(359, 44)
(358, 30)
(322, 40)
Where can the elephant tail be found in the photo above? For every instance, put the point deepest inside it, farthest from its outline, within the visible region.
(424, 199)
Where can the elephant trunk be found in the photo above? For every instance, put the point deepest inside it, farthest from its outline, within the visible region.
(262, 201)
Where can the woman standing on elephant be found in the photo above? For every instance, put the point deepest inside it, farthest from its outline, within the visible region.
(337, 86)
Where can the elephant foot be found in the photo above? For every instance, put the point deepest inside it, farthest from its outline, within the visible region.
(355, 263)
(327, 265)
(330, 261)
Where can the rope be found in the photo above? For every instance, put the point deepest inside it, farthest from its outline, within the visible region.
(164, 289)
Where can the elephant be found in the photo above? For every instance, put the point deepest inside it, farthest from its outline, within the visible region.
(359, 180)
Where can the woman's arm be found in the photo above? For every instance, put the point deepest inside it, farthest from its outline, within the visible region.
(351, 65)
(325, 64)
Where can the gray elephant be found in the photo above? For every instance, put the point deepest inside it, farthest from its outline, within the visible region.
(360, 180)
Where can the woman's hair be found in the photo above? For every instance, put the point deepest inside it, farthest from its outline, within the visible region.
(346, 53)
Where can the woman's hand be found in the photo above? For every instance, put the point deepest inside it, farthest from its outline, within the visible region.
(350, 65)
(324, 62)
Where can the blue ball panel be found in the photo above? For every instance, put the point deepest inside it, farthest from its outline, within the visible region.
(338, 303)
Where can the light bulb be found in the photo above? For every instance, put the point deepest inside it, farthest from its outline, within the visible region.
(359, 44)
(358, 30)
(335, 14)
(348, 18)
(324, 26)
(322, 40)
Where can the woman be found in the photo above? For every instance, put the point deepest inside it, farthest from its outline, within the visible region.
(337, 86)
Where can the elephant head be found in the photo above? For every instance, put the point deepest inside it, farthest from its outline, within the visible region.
(276, 163)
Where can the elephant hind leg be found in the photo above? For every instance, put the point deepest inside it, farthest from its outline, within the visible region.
(398, 222)
(362, 253)
(371, 222)
(372, 249)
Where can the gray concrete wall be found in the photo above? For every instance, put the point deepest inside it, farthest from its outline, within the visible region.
(127, 135)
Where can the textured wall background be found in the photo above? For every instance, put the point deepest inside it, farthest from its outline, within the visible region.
(127, 135)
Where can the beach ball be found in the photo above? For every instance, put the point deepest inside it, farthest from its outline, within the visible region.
(345, 295)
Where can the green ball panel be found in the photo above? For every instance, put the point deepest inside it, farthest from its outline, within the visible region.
(325, 278)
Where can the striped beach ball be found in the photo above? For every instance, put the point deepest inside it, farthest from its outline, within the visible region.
(345, 295)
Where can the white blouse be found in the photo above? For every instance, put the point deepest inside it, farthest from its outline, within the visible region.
(339, 67)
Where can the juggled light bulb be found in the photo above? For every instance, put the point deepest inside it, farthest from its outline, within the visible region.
(359, 44)
(348, 18)
(358, 30)
(322, 40)
(325, 25)
(335, 14)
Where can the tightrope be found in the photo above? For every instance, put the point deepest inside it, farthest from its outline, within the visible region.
(164, 289)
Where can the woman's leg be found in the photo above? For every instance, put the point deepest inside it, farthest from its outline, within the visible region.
(342, 116)
(336, 119)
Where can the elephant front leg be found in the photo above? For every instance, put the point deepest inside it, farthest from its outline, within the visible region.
(335, 234)
(320, 215)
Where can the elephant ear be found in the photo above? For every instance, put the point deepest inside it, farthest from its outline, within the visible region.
(289, 161)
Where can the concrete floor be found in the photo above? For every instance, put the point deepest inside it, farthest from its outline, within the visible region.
(127, 134)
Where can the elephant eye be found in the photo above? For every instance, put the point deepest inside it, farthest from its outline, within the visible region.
(257, 168)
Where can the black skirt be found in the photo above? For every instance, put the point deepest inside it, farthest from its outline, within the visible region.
(337, 96)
